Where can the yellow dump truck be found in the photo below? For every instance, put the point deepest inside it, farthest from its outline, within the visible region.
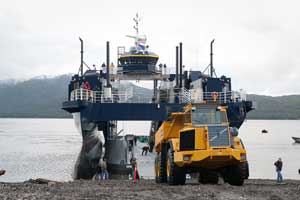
(199, 140)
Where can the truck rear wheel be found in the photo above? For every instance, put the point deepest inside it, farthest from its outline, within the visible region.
(207, 176)
(160, 165)
(236, 174)
(156, 168)
(175, 174)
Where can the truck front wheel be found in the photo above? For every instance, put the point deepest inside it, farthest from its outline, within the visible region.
(236, 174)
(175, 174)
(160, 165)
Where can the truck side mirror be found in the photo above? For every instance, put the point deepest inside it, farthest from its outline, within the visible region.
(233, 131)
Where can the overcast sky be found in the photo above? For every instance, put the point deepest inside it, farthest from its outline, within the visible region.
(257, 42)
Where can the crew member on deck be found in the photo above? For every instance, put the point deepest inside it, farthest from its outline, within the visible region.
(86, 85)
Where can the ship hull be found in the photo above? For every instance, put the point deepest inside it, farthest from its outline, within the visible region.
(97, 144)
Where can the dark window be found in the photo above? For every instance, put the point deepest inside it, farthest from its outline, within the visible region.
(187, 140)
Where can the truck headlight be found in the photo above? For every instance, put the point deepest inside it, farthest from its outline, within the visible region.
(186, 158)
(243, 157)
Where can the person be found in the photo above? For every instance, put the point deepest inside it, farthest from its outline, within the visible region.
(135, 139)
(134, 167)
(2, 172)
(278, 165)
(104, 172)
(98, 173)
(130, 145)
(145, 149)
(86, 85)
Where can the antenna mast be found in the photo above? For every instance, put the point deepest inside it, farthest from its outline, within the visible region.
(136, 20)
(81, 56)
(211, 58)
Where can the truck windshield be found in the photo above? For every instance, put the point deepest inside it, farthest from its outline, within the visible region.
(204, 116)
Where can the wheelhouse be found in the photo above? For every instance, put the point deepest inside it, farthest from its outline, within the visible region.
(138, 63)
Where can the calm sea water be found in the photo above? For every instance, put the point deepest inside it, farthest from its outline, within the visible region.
(48, 148)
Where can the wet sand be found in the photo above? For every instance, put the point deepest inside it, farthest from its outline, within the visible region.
(148, 189)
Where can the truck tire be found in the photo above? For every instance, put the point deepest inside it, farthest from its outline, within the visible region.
(157, 168)
(208, 177)
(245, 169)
(175, 174)
(236, 174)
(160, 165)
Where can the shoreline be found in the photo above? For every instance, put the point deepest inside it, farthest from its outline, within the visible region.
(142, 178)
(70, 117)
(148, 189)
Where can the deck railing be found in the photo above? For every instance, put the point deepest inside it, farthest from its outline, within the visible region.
(128, 96)
(98, 96)
(224, 97)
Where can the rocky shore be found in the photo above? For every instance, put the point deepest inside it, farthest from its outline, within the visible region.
(148, 189)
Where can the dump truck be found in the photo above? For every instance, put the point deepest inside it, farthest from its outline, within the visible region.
(199, 140)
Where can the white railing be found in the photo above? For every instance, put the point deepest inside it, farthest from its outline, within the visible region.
(126, 96)
(196, 96)
(183, 96)
(223, 97)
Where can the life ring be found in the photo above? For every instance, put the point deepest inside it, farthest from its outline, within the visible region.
(214, 95)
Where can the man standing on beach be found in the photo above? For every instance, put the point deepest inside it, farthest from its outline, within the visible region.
(278, 165)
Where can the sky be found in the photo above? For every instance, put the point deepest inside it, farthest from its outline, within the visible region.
(257, 42)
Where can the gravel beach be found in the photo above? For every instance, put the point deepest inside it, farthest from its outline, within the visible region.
(148, 189)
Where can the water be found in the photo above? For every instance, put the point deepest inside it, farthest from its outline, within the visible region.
(265, 148)
(48, 148)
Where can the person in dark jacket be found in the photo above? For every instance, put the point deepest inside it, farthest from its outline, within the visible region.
(278, 165)
(145, 150)
(135, 139)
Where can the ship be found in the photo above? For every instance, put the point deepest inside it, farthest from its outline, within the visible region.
(98, 100)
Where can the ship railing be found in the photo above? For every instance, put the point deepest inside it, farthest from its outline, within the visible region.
(220, 97)
(182, 96)
(100, 97)
(81, 94)
(126, 96)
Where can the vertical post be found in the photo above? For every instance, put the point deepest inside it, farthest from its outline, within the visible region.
(176, 66)
(180, 64)
(225, 96)
(81, 56)
(134, 176)
(107, 65)
(211, 58)
(155, 90)
(81, 95)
